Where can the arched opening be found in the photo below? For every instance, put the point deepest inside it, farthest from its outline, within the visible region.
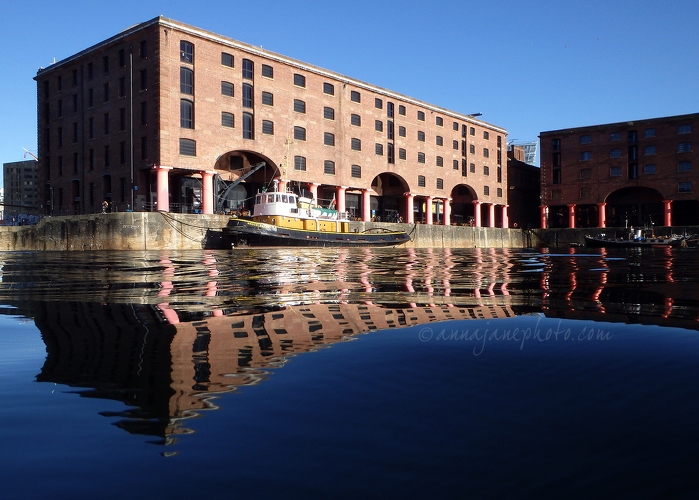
(389, 202)
(238, 179)
(462, 208)
(634, 206)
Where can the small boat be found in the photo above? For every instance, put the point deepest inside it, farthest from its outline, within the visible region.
(287, 219)
(639, 238)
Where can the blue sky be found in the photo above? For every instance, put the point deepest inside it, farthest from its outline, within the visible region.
(528, 65)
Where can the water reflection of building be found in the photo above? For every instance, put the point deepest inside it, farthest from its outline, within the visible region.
(169, 372)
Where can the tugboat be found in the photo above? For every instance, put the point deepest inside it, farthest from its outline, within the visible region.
(287, 219)
(637, 238)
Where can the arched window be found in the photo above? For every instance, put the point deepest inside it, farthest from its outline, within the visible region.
(248, 67)
(186, 52)
(186, 113)
(247, 95)
(248, 126)
(186, 81)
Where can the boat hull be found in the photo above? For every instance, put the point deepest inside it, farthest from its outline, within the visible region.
(247, 233)
(619, 242)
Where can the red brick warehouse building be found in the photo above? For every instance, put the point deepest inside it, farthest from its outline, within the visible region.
(634, 173)
(166, 116)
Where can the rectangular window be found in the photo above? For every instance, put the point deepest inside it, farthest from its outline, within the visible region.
(585, 173)
(585, 156)
(378, 125)
(267, 127)
(420, 136)
(684, 187)
(122, 58)
(389, 109)
(378, 103)
(300, 163)
(390, 130)
(649, 150)
(91, 159)
(486, 153)
(106, 92)
(421, 157)
(90, 128)
(356, 120)
(455, 164)
(486, 190)
(439, 140)
(90, 71)
(299, 106)
(585, 139)
(379, 149)
(227, 119)
(472, 131)
(401, 110)
(486, 170)
(401, 131)
(472, 168)
(299, 133)
(391, 153)
(90, 99)
(499, 193)
(267, 99)
(439, 121)
(122, 119)
(122, 86)
(555, 194)
(585, 192)
(355, 96)
(455, 145)
(615, 172)
(227, 59)
(122, 152)
(106, 124)
(299, 80)
(472, 149)
(328, 88)
(143, 49)
(684, 147)
(421, 181)
(328, 139)
(649, 169)
(329, 167)
(684, 166)
(248, 126)
(649, 132)
(614, 136)
(486, 135)
(107, 157)
(247, 95)
(356, 144)
(144, 79)
(227, 89)
(248, 69)
(267, 71)
(684, 129)
(421, 116)
(356, 171)
(187, 82)
(402, 154)
(440, 183)
(328, 113)
(440, 161)
(615, 153)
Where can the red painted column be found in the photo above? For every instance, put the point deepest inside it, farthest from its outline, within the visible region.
(477, 213)
(313, 188)
(163, 189)
(505, 220)
(341, 198)
(544, 210)
(428, 209)
(667, 209)
(491, 214)
(207, 192)
(571, 216)
(601, 215)
(409, 214)
(447, 211)
(366, 205)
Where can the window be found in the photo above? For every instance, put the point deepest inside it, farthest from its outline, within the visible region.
(389, 109)
(247, 95)
(684, 147)
(486, 153)
(328, 139)
(421, 116)
(684, 129)
(227, 120)
(143, 49)
(299, 80)
(585, 156)
(401, 110)
(421, 181)
(122, 86)
(455, 145)
(649, 150)
(486, 190)
(378, 103)
(439, 140)
(188, 147)
(328, 113)
(615, 172)
(585, 173)
(439, 121)
(420, 136)
(90, 75)
(499, 193)
(299, 133)
(329, 167)
(472, 131)
(615, 153)
(227, 59)
(267, 99)
(91, 159)
(299, 106)
(106, 121)
(267, 71)
(402, 155)
(391, 153)
(684, 187)
(440, 183)
(356, 144)
(186, 82)
(248, 69)
(356, 120)
(227, 89)
(472, 168)
(631, 136)
(440, 161)
(486, 134)
(107, 157)
(390, 130)
(355, 96)
(328, 88)
(614, 136)
(267, 127)
(144, 79)
(186, 113)
(649, 169)
(455, 164)
(472, 149)
(90, 100)
(684, 166)
(122, 58)
(248, 126)
(649, 132)
(90, 128)
(585, 192)
(401, 131)
(300, 163)
(555, 194)
(186, 52)
(378, 126)
(106, 92)
(486, 170)
(421, 157)
(585, 139)
(379, 149)
(356, 171)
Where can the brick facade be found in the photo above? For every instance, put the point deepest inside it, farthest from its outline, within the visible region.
(618, 174)
(88, 102)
